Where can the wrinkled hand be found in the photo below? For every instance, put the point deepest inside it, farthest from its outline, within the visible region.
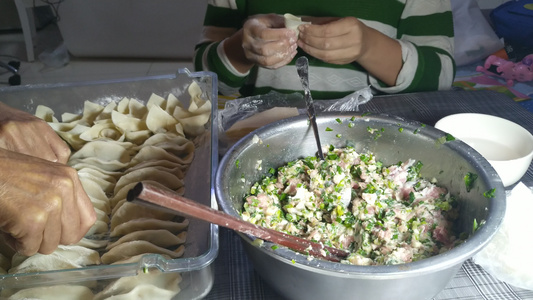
(27, 134)
(267, 43)
(334, 40)
(43, 204)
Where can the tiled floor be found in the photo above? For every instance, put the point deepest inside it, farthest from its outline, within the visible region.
(77, 69)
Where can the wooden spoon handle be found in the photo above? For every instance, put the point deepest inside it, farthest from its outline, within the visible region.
(148, 194)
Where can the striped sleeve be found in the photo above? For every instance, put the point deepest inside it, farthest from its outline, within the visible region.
(223, 18)
(425, 33)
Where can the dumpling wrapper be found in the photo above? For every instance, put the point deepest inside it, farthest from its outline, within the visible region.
(133, 248)
(167, 281)
(70, 133)
(101, 215)
(45, 113)
(107, 186)
(155, 153)
(159, 237)
(292, 22)
(99, 228)
(55, 292)
(95, 191)
(110, 166)
(168, 180)
(64, 257)
(127, 123)
(105, 130)
(158, 120)
(105, 150)
(169, 138)
(137, 258)
(148, 224)
(136, 109)
(92, 243)
(161, 165)
(146, 292)
(171, 103)
(155, 100)
(129, 211)
(91, 110)
(106, 112)
(107, 175)
(137, 137)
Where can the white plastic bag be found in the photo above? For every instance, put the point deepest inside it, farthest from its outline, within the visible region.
(474, 39)
(508, 255)
(243, 115)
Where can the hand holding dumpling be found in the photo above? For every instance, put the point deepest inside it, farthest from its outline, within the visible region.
(43, 204)
(25, 133)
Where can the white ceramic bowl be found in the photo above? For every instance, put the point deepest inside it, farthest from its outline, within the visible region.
(506, 145)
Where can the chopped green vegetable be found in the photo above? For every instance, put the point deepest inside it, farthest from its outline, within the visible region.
(489, 193)
(400, 129)
(475, 226)
(237, 163)
(449, 137)
(328, 129)
(275, 247)
(366, 114)
(338, 120)
(351, 125)
(352, 119)
(470, 179)
(338, 135)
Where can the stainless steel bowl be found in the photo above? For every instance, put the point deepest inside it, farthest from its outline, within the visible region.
(394, 139)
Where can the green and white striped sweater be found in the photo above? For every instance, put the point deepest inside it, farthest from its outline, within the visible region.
(424, 29)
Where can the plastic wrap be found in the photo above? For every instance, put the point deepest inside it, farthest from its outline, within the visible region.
(243, 111)
(508, 256)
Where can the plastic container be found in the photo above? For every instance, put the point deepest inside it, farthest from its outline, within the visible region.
(202, 245)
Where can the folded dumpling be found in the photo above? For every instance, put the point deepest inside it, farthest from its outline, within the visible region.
(64, 257)
(155, 278)
(147, 224)
(129, 211)
(133, 248)
(55, 292)
(159, 237)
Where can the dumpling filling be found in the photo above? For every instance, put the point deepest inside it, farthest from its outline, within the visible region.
(382, 215)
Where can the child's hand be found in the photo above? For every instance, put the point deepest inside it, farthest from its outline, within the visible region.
(333, 40)
(266, 41)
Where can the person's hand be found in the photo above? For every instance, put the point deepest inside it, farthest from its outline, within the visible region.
(334, 40)
(27, 134)
(347, 40)
(42, 203)
(267, 43)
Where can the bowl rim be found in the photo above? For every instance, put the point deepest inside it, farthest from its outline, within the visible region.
(442, 261)
(462, 116)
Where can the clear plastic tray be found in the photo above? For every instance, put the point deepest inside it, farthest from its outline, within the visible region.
(202, 240)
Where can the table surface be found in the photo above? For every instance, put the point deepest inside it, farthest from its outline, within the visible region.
(236, 279)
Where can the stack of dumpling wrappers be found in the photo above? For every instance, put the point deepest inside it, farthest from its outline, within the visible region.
(114, 147)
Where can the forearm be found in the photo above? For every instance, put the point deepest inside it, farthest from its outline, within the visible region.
(234, 52)
(381, 56)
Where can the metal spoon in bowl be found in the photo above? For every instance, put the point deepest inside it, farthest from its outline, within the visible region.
(302, 67)
(150, 195)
